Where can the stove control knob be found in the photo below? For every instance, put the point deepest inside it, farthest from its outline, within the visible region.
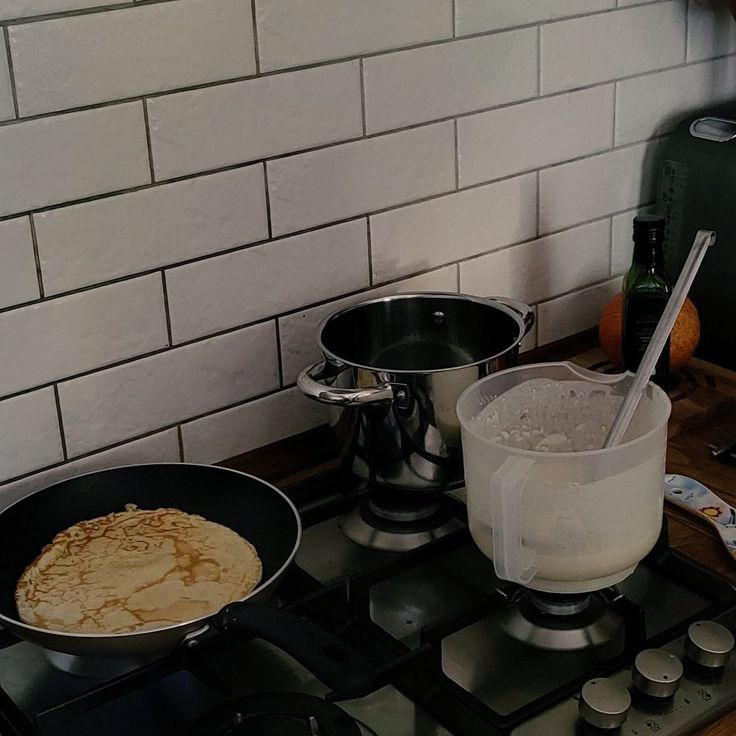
(657, 673)
(709, 644)
(604, 703)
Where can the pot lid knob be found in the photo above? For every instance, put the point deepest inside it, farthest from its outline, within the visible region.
(604, 703)
(657, 673)
(709, 644)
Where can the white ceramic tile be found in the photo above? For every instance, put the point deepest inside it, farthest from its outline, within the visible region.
(11, 9)
(447, 79)
(576, 312)
(243, 121)
(252, 425)
(81, 60)
(534, 134)
(53, 339)
(298, 331)
(116, 236)
(464, 224)
(353, 178)
(31, 437)
(654, 104)
(601, 47)
(596, 186)
(626, 3)
(237, 288)
(113, 405)
(7, 110)
(294, 32)
(711, 31)
(543, 269)
(156, 448)
(622, 244)
(18, 280)
(476, 16)
(68, 157)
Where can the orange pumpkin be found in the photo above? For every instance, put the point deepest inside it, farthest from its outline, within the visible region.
(683, 341)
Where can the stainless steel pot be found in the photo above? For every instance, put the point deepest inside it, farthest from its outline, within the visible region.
(393, 370)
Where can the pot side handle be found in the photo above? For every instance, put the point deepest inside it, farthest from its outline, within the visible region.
(511, 559)
(523, 310)
(309, 383)
(336, 664)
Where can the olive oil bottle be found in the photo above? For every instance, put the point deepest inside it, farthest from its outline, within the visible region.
(646, 291)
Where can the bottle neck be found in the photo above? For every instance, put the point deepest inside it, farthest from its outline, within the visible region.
(648, 254)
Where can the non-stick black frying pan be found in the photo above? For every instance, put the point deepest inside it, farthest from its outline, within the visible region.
(251, 507)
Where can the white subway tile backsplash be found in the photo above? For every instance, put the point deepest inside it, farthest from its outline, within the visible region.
(156, 448)
(298, 331)
(57, 338)
(354, 178)
(31, 438)
(231, 123)
(573, 313)
(534, 134)
(252, 425)
(18, 280)
(81, 60)
(476, 16)
(113, 405)
(7, 110)
(293, 32)
(208, 296)
(711, 31)
(654, 104)
(542, 269)
(596, 186)
(599, 48)
(460, 225)
(67, 157)
(117, 236)
(12, 9)
(417, 85)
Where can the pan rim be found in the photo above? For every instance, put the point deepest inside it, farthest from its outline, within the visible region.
(193, 624)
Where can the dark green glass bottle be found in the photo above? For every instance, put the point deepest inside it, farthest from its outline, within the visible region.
(646, 291)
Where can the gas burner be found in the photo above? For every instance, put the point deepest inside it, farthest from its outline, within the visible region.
(561, 622)
(279, 714)
(94, 668)
(397, 521)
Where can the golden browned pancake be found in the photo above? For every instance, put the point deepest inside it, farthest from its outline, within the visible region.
(136, 570)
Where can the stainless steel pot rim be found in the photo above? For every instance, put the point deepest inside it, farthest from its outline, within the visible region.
(556, 456)
(422, 295)
(202, 621)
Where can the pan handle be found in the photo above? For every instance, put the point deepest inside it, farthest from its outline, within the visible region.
(339, 666)
(310, 384)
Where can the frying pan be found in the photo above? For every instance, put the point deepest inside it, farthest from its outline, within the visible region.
(257, 511)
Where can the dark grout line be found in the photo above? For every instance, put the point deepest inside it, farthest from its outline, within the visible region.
(180, 440)
(37, 258)
(453, 10)
(539, 60)
(11, 73)
(363, 111)
(269, 224)
(167, 312)
(61, 423)
(279, 357)
(610, 248)
(456, 152)
(687, 30)
(147, 126)
(369, 238)
(101, 8)
(256, 48)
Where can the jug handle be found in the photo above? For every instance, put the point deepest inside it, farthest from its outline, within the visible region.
(309, 383)
(511, 559)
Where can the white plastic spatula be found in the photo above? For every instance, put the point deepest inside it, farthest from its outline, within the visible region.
(703, 240)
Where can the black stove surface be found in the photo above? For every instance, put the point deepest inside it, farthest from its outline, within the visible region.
(431, 620)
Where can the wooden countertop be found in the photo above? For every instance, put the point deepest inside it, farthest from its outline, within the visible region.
(704, 412)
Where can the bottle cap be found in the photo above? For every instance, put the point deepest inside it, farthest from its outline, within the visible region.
(649, 229)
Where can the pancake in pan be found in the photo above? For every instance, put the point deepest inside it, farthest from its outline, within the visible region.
(135, 570)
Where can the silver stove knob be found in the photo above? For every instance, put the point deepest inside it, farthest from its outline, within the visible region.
(604, 703)
(657, 673)
(709, 644)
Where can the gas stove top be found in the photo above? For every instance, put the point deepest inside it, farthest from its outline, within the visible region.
(458, 652)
